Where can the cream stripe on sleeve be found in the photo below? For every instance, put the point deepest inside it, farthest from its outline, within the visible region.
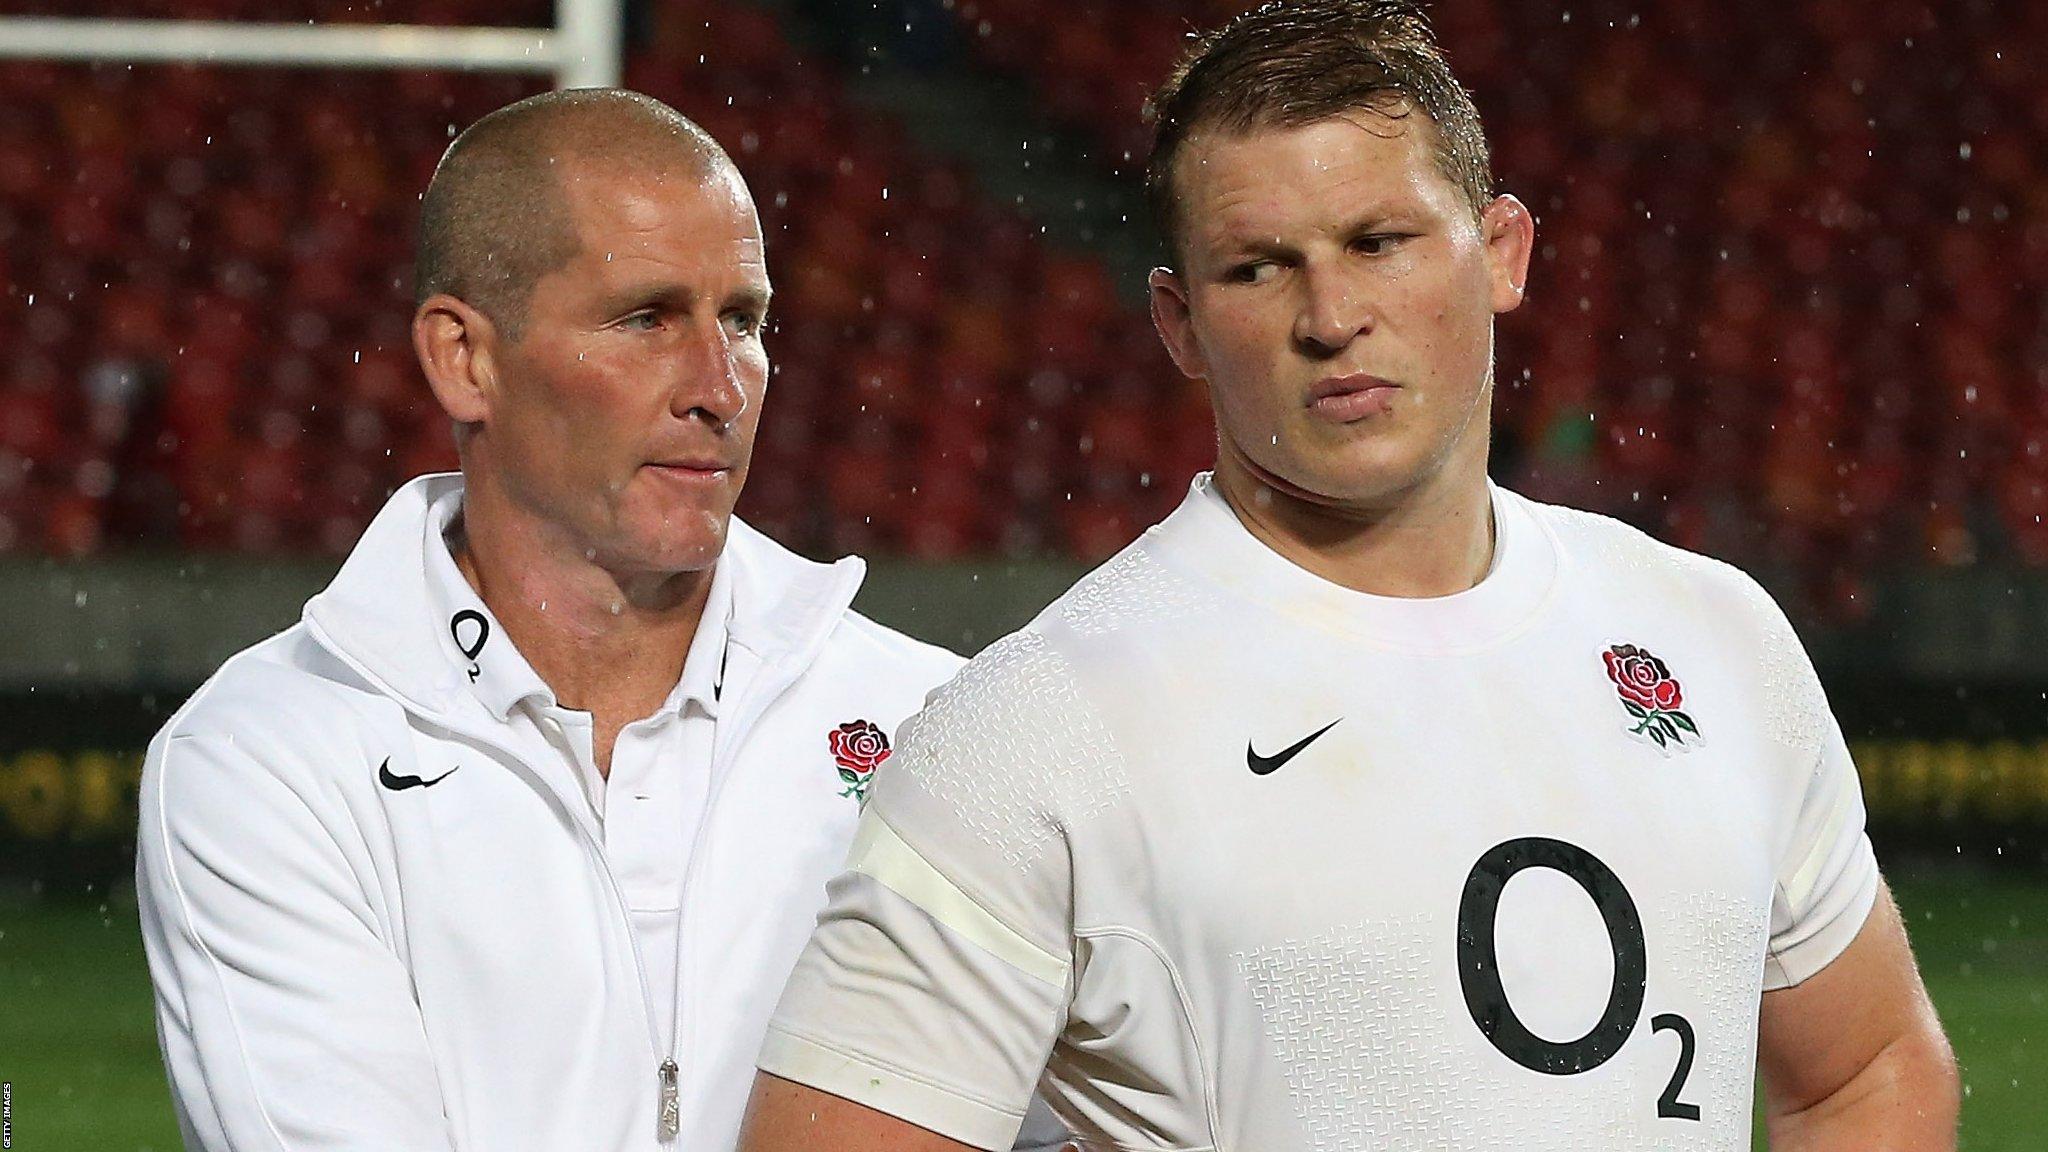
(1799, 889)
(880, 853)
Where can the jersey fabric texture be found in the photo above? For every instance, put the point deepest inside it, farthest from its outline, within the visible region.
(1239, 859)
(376, 900)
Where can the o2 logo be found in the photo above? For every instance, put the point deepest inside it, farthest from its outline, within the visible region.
(474, 646)
(1487, 1000)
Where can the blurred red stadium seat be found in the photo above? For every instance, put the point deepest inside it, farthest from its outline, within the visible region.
(1829, 274)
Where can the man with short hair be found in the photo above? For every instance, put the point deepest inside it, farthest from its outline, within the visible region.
(1362, 804)
(512, 841)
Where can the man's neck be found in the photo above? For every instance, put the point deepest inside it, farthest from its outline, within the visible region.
(609, 644)
(1434, 540)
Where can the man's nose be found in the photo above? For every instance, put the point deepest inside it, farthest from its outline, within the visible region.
(709, 382)
(1335, 310)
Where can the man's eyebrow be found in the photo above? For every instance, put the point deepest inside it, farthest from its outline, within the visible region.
(641, 293)
(1236, 248)
(1377, 217)
(754, 296)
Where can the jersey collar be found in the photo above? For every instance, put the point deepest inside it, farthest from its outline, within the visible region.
(1205, 535)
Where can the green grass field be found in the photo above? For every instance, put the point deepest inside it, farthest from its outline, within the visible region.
(77, 1042)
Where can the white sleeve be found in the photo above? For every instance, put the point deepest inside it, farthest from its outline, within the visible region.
(939, 976)
(286, 1023)
(1827, 875)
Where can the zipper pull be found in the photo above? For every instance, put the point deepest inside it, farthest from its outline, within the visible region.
(671, 1102)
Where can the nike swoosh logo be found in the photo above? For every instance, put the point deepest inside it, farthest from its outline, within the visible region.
(1266, 765)
(397, 783)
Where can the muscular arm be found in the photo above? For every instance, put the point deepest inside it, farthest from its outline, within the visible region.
(1854, 1058)
(783, 1116)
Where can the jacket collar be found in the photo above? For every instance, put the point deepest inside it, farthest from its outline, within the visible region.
(401, 615)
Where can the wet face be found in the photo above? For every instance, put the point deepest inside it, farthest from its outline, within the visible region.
(1337, 297)
(623, 417)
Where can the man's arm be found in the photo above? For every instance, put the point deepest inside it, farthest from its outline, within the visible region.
(1854, 1058)
(784, 1116)
(287, 1024)
(941, 970)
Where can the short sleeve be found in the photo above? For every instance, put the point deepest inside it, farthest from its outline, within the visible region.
(1827, 874)
(939, 975)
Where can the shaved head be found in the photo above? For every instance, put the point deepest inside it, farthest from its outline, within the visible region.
(496, 215)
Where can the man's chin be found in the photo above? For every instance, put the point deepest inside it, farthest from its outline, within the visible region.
(1335, 484)
(674, 541)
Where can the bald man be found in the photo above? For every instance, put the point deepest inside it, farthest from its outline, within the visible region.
(511, 842)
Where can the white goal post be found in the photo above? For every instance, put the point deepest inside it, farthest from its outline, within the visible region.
(582, 50)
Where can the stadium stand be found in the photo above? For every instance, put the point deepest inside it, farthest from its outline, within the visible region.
(1792, 321)
(1794, 317)
(209, 291)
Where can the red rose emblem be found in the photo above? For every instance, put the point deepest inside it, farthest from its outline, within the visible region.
(1642, 677)
(1649, 693)
(859, 748)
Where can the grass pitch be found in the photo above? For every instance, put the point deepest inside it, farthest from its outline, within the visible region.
(78, 1042)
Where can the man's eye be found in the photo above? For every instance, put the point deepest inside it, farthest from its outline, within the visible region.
(1377, 244)
(744, 323)
(1256, 272)
(643, 321)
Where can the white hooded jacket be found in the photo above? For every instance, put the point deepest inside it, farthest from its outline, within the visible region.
(344, 965)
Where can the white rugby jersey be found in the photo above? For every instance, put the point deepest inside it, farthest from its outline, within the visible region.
(1241, 859)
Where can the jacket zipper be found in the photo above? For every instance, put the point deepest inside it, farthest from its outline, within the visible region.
(706, 825)
(668, 1121)
(671, 1124)
(665, 1074)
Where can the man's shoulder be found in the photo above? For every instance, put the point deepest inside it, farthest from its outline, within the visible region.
(1606, 549)
(1130, 596)
(800, 598)
(881, 650)
(1018, 728)
(281, 701)
(1132, 612)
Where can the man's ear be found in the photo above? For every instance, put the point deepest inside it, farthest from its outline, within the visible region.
(1510, 234)
(456, 345)
(1170, 315)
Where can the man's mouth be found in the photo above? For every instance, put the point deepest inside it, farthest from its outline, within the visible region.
(1344, 399)
(692, 468)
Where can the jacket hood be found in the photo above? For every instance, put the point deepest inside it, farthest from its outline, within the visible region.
(378, 614)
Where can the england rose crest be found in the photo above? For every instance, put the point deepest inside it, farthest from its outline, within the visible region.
(859, 748)
(1650, 694)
